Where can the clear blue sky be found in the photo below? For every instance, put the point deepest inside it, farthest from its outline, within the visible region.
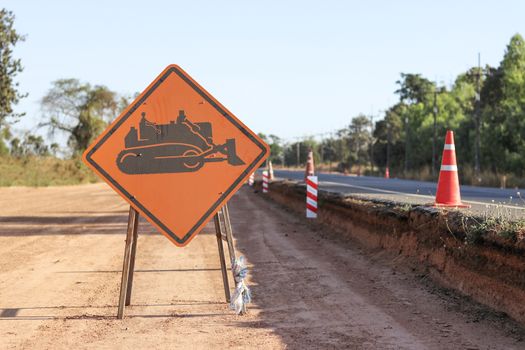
(291, 68)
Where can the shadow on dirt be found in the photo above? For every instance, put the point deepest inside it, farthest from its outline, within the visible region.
(76, 225)
(142, 271)
(31, 313)
(62, 220)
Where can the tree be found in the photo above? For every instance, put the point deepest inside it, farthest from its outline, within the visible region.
(328, 150)
(9, 67)
(80, 110)
(5, 134)
(359, 138)
(504, 111)
(30, 145)
(413, 88)
(304, 146)
(276, 147)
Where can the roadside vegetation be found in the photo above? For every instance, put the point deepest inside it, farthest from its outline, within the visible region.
(43, 171)
(76, 111)
(487, 99)
(488, 228)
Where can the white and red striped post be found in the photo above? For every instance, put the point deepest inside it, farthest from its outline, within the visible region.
(251, 179)
(311, 197)
(265, 181)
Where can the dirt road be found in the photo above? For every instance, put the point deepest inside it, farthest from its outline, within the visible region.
(60, 260)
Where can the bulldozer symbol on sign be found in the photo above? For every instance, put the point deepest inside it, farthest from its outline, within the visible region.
(178, 147)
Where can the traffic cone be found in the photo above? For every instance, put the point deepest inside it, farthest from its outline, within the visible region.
(387, 173)
(447, 194)
(270, 170)
(309, 165)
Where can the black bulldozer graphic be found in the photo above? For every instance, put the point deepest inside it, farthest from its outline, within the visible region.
(177, 147)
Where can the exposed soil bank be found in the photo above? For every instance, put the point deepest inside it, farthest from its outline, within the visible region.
(436, 242)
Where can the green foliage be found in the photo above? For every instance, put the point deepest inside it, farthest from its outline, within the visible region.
(504, 112)
(414, 89)
(301, 149)
(43, 171)
(328, 150)
(30, 145)
(494, 226)
(276, 147)
(80, 110)
(410, 123)
(9, 67)
(405, 136)
(355, 142)
(3, 148)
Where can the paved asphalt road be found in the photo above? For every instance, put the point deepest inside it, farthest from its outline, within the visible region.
(484, 200)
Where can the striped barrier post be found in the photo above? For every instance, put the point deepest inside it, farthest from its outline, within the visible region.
(311, 197)
(251, 179)
(265, 181)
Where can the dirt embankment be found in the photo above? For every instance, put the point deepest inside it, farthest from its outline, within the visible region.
(439, 243)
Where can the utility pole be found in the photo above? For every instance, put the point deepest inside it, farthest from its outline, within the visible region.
(358, 151)
(321, 152)
(478, 120)
(298, 144)
(388, 138)
(406, 144)
(435, 110)
(371, 143)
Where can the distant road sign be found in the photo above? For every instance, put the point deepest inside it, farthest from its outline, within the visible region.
(176, 155)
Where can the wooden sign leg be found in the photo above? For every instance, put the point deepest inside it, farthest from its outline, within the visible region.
(222, 257)
(133, 216)
(132, 262)
(229, 233)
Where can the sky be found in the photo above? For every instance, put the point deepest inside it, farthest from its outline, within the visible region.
(289, 68)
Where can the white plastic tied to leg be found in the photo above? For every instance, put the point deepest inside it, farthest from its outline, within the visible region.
(241, 296)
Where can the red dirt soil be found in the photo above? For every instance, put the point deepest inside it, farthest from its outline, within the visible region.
(61, 257)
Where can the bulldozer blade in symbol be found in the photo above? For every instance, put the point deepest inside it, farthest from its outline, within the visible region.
(231, 153)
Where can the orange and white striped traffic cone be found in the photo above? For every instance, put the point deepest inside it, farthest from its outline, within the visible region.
(448, 193)
(270, 170)
(309, 165)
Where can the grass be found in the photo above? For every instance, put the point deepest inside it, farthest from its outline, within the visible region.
(508, 230)
(466, 175)
(497, 221)
(43, 171)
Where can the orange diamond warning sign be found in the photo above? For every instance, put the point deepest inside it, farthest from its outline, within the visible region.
(176, 155)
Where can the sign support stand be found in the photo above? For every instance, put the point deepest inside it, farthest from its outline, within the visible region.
(133, 220)
(229, 234)
(131, 250)
(218, 232)
(132, 262)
